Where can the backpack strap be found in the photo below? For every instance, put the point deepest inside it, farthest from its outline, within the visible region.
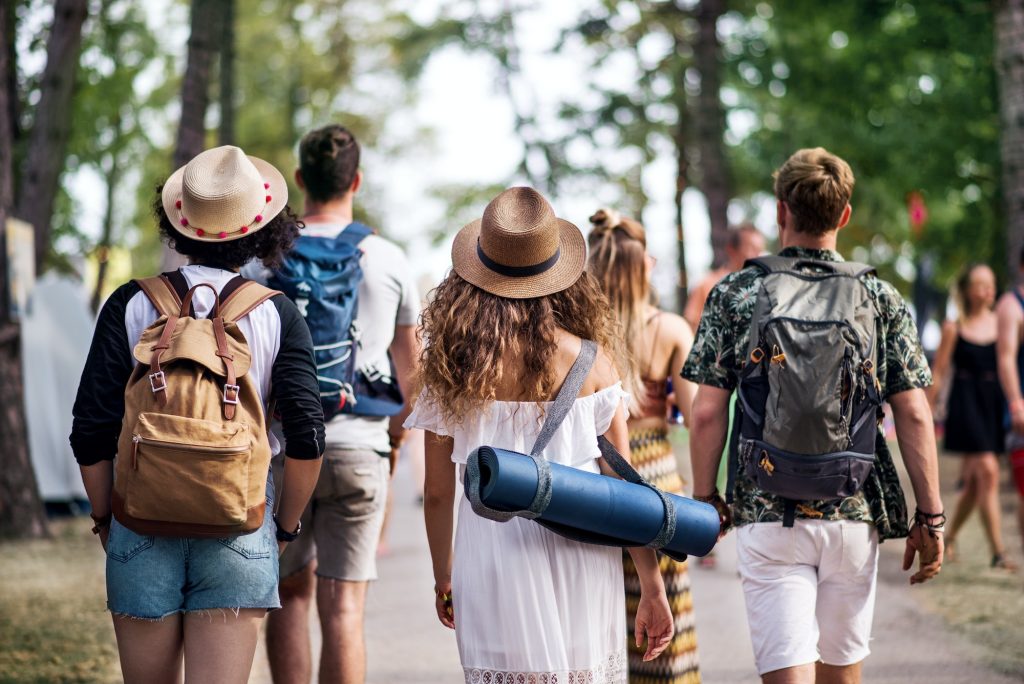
(162, 294)
(242, 298)
(354, 233)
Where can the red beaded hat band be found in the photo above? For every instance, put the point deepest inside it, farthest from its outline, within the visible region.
(222, 194)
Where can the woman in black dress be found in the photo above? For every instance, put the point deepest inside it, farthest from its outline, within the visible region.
(975, 411)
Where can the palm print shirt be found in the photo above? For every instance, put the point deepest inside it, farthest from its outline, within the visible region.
(719, 352)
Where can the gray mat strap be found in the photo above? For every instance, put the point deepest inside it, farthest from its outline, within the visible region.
(624, 470)
(557, 412)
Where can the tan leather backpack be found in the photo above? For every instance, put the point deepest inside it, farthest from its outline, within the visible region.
(193, 455)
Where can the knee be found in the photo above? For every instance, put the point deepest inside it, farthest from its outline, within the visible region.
(341, 603)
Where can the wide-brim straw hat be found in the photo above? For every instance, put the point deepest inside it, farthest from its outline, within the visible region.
(519, 249)
(223, 194)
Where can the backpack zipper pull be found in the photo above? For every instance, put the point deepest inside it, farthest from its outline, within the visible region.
(135, 451)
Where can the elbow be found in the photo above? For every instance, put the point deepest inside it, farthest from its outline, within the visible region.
(704, 416)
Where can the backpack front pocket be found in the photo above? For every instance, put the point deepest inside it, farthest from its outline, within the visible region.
(186, 470)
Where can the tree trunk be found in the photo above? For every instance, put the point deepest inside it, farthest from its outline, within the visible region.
(103, 251)
(21, 511)
(52, 125)
(226, 132)
(203, 44)
(1009, 27)
(715, 182)
(682, 168)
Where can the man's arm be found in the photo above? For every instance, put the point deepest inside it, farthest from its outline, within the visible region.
(405, 351)
(916, 438)
(1009, 318)
(708, 429)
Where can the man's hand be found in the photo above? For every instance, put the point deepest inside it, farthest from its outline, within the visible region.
(927, 543)
(104, 535)
(724, 512)
(281, 546)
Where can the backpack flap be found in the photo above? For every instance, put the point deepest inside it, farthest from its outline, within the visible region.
(191, 340)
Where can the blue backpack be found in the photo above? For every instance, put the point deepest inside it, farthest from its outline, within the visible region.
(322, 276)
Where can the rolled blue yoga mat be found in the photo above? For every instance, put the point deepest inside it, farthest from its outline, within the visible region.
(605, 507)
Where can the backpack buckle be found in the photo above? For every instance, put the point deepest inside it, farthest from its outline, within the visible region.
(231, 393)
(158, 381)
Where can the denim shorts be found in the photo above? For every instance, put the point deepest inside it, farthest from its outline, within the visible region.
(152, 577)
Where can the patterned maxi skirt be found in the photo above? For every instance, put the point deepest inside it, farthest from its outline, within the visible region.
(653, 458)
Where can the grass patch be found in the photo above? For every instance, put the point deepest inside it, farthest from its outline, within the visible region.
(54, 626)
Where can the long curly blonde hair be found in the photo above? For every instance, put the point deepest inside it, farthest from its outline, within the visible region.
(471, 335)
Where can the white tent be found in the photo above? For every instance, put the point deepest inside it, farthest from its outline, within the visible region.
(55, 336)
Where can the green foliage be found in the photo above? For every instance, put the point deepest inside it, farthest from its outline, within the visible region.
(904, 91)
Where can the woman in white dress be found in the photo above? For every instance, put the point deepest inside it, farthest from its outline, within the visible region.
(501, 333)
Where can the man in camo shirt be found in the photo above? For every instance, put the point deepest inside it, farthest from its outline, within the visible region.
(810, 588)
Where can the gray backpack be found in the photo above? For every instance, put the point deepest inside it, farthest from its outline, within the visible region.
(809, 399)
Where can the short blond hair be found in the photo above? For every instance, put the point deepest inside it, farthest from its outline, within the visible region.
(816, 186)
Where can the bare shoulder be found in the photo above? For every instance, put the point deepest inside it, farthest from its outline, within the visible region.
(1009, 307)
(675, 324)
(604, 373)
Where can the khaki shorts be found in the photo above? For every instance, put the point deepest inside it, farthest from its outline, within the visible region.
(810, 591)
(342, 523)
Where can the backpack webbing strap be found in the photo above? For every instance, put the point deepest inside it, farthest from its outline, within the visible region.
(161, 293)
(788, 512)
(243, 298)
(354, 233)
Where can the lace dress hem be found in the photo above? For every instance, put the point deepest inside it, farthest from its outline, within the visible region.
(611, 671)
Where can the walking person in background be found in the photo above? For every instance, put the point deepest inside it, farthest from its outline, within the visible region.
(337, 559)
(502, 332)
(744, 242)
(1010, 359)
(814, 345)
(976, 411)
(188, 598)
(659, 343)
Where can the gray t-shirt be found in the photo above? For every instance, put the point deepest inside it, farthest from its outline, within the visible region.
(387, 298)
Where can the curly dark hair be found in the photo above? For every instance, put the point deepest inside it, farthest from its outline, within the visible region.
(328, 162)
(269, 244)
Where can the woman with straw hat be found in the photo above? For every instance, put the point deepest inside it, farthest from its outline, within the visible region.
(502, 331)
(187, 602)
(659, 343)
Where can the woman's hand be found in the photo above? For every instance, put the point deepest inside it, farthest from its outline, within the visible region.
(443, 604)
(654, 620)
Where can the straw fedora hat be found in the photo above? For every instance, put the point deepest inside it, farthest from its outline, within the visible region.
(223, 194)
(519, 248)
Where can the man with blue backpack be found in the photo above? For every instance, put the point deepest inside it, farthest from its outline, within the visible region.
(357, 295)
(812, 345)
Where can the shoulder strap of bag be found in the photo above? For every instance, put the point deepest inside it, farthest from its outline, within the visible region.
(161, 293)
(354, 233)
(240, 299)
(566, 395)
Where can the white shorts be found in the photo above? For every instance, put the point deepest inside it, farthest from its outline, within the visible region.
(810, 591)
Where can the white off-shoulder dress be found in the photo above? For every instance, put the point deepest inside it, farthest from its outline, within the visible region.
(532, 607)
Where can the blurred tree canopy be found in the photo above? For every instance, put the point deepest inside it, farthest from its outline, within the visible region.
(904, 91)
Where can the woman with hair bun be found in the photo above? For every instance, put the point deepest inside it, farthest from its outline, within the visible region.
(659, 343)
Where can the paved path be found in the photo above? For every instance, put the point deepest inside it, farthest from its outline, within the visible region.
(407, 644)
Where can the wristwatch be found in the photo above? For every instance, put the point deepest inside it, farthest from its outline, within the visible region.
(285, 535)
